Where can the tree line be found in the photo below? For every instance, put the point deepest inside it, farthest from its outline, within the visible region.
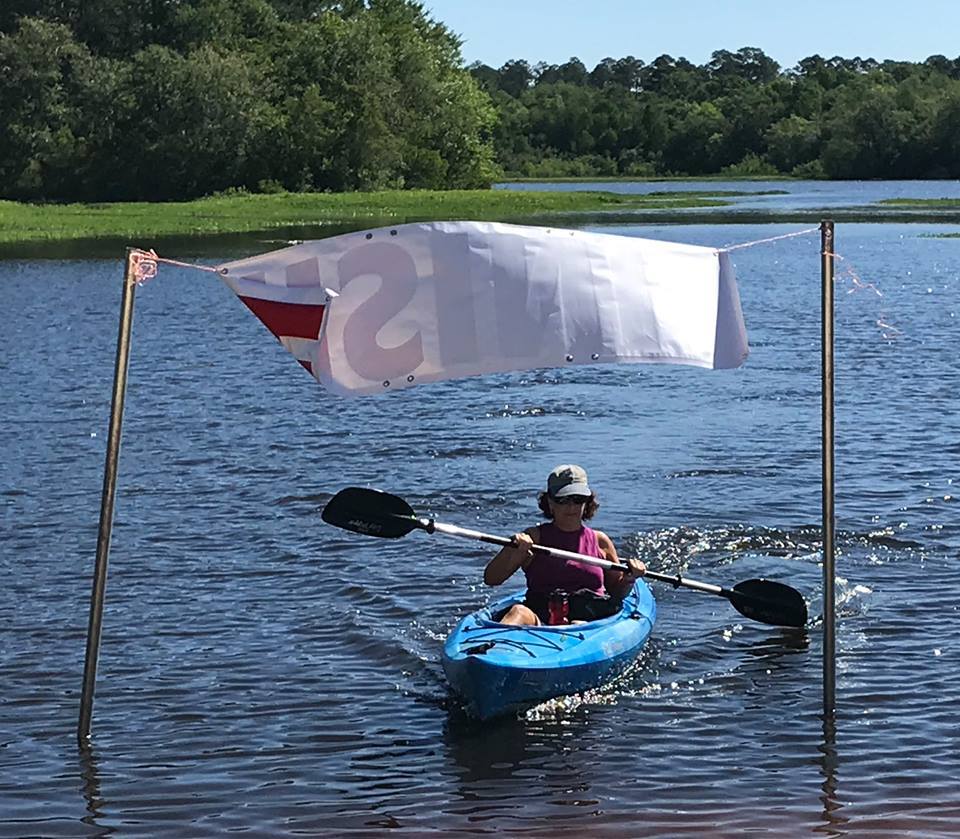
(172, 99)
(738, 114)
(175, 99)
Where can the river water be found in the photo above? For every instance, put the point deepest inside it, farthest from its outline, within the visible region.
(773, 196)
(264, 673)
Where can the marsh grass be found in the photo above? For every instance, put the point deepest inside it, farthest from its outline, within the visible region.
(924, 203)
(242, 213)
(940, 210)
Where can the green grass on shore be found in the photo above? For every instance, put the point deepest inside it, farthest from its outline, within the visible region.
(40, 223)
(923, 203)
(937, 204)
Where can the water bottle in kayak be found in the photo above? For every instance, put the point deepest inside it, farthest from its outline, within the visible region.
(558, 608)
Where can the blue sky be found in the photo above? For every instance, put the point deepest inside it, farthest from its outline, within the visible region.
(495, 31)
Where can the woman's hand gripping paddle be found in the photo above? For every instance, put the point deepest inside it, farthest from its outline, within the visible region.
(377, 513)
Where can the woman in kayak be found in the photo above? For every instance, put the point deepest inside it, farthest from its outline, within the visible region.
(590, 590)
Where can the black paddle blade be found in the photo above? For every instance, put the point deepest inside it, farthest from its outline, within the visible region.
(371, 512)
(769, 602)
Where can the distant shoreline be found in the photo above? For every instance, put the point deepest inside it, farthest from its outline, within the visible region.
(648, 179)
(243, 220)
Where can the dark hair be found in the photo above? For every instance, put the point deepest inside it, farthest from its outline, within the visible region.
(589, 509)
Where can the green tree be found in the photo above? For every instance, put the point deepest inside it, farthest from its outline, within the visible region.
(390, 104)
(867, 135)
(750, 110)
(675, 78)
(511, 133)
(516, 77)
(792, 141)
(748, 64)
(945, 136)
(485, 76)
(231, 24)
(43, 72)
(191, 126)
(603, 74)
(560, 118)
(943, 65)
(697, 139)
(572, 72)
(107, 27)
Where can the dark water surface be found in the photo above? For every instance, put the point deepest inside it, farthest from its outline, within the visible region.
(262, 672)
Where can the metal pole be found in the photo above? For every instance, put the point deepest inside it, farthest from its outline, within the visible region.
(829, 629)
(106, 502)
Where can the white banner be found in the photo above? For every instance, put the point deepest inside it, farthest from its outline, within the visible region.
(398, 306)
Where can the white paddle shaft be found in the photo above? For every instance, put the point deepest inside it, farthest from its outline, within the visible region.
(453, 530)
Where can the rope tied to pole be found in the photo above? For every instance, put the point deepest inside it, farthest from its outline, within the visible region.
(888, 331)
(145, 265)
(807, 232)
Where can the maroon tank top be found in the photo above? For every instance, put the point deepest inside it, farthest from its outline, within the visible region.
(547, 573)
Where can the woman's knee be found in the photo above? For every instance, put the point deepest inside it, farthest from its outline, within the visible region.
(520, 615)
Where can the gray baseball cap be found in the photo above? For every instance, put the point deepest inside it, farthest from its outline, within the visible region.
(567, 480)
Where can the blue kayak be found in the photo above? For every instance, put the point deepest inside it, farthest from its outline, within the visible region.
(498, 669)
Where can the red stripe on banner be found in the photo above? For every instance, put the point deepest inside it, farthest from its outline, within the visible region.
(289, 320)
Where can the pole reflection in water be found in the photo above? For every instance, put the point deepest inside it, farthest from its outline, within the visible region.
(90, 787)
(833, 820)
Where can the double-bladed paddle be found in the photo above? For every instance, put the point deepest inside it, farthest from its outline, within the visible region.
(377, 513)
